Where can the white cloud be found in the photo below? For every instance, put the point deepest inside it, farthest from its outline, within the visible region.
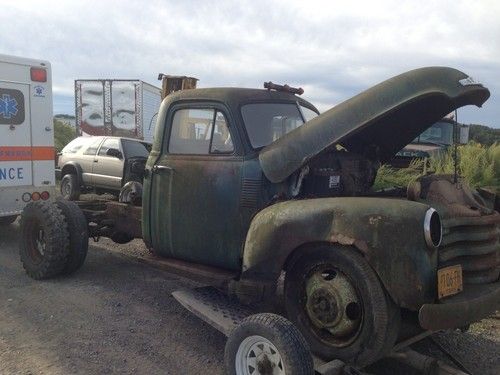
(333, 49)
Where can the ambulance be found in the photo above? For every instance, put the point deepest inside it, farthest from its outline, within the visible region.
(26, 135)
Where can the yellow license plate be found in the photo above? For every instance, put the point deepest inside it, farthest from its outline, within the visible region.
(449, 281)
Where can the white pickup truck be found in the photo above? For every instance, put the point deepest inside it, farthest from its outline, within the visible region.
(26, 135)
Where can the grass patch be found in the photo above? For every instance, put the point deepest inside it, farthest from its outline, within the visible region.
(478, 165)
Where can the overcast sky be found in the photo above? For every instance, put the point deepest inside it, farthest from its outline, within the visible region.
(332, 49)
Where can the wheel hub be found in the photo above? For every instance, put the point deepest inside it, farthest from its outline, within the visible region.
(322, 307)
(67, 188)
(332, 304)
(258, 356)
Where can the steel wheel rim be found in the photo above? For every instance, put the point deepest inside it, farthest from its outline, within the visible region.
(66, 187)
(332, 305)
(37, 244)
(256, 355)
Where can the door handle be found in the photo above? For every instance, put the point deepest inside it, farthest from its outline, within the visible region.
(161, 168)
(96, 160)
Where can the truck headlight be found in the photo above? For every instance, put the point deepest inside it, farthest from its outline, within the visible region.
(433, 230)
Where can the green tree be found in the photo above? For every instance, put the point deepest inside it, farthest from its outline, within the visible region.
(63, 134)
(484, 134)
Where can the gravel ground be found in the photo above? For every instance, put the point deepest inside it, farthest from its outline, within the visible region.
(117, 315)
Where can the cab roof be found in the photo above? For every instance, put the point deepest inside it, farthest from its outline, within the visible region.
(234, 97)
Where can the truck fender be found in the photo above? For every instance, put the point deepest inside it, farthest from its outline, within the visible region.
(388, 232)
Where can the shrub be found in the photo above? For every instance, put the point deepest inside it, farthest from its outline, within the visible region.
(63, 134)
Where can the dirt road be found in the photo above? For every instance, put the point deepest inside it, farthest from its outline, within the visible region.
(116, 315)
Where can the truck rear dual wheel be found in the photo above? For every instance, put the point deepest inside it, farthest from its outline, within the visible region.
(337, 302)
(44, 245)
(267, 344)
(77, 233)
(54, 239)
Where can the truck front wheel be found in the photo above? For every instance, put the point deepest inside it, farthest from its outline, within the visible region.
(70, 188)
(44, 240)
(336, 300)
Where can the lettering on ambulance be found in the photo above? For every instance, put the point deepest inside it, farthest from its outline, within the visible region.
(11, 173)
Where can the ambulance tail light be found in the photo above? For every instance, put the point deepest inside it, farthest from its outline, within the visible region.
(38, 75)
(36, 196)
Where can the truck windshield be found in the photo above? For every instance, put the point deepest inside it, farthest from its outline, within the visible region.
(439, 133)
(267, 122)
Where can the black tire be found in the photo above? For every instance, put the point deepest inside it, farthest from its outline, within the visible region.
(70, 187)
(121, 237)
(78, 235)
(293, 352)
(372, 318)
(44, 240)
(7, 220)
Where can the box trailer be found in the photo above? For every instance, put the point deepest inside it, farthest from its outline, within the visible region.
(26, 134)
(125, 108)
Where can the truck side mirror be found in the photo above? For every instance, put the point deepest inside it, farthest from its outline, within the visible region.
(114, 152)
(463, 134)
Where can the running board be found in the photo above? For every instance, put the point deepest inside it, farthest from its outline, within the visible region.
(213, 307)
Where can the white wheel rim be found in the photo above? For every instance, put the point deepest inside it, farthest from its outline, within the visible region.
(256, 355)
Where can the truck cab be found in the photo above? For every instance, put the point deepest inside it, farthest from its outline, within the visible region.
(205, 167)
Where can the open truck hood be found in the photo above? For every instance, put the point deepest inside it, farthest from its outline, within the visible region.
(379, 121)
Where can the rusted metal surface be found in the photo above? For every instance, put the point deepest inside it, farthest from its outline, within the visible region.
(126, 218)
(201, 273)
(474, 243)
(471, 229)
(273, 86)
(213, 307)
(333, 304)
(404, 105)
(405, 264)
(474, 303)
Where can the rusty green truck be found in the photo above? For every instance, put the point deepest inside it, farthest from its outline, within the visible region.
(274, 200)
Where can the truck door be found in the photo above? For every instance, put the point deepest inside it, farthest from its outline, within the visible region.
(195, 190)
(107, 170)
(15, 135)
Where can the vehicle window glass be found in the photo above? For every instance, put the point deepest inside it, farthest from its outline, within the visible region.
(267, 122)
(191, 131)
(439, 133)
(107, 144)
(309, 114)
(75, 145)
(221, 139)
(92, 148)
(135, 148)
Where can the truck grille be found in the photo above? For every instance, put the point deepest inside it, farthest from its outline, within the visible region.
(473, 242)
